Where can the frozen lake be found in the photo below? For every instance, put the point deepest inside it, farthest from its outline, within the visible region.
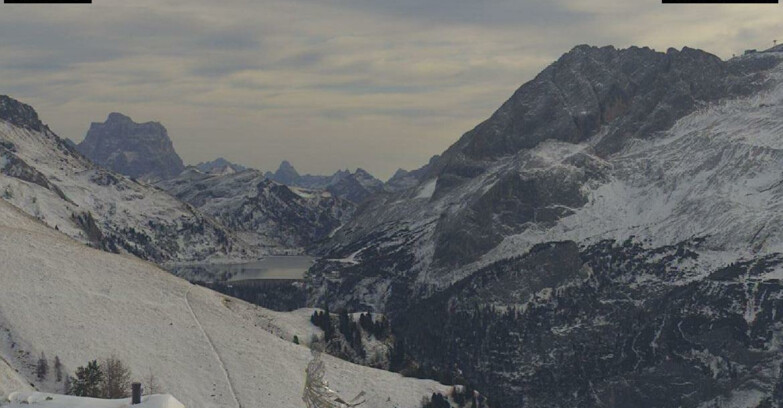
(271, 267)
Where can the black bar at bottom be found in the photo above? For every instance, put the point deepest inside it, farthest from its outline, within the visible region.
(47, 1)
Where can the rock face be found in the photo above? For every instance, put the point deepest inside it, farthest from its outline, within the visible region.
(271, 214)
(19, 114)
(403, 179)
(138, 150)
(355, 187)
(48, 179)
(598, 204)
(613, 324)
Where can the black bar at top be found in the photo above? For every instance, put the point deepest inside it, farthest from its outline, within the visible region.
(47, 1)
(719, 1)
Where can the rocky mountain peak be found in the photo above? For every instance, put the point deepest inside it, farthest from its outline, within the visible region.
(141, 150)
(19, 114)
(624, 93)
(286, 173)
(116, 117)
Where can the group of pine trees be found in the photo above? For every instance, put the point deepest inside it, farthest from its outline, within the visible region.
(378, 328)
(323, 320)
(343, 338)
(42, 368)
(462, 397)
(110, 378)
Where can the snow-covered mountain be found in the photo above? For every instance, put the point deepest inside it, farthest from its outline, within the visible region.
(263, 211)
(138, 150)
(45, 177)
(220, 166)
(65, 299)
(355, 187)
(657, 176)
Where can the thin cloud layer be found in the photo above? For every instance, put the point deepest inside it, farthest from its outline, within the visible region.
(327, 84)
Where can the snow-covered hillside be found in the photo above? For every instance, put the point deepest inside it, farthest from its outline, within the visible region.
(60, 297)
(48, 179)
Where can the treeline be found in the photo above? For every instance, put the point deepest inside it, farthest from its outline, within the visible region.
(108, 378)
(343, 336)
(279, 296)
(460, 395)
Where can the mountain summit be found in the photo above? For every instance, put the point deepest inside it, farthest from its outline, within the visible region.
(611, 230)
(139, 150)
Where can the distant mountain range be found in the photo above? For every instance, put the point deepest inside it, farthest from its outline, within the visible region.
(220, 166)
(144, 151)
(263, 211)
(355, 187)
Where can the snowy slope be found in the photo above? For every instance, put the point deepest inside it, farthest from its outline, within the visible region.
(49, 180)
(11, 380)
(62, 298)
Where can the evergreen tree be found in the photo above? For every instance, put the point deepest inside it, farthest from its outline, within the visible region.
(58, 369)
(42, 368)
(88, 381)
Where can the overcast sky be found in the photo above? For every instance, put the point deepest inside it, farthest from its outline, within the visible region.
(327, 84)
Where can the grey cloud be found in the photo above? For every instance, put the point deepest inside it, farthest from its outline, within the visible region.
(482, 12)
(295, 78)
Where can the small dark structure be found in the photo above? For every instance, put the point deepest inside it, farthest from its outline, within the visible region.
(135, 393)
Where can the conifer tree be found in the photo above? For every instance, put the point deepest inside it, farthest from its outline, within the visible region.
(88, 381)
(42, 368)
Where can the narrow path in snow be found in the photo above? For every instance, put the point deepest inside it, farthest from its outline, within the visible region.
(214, 350)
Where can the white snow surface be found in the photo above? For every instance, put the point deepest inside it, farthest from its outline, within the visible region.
(428, 189)
(60, 297)
(28, 399)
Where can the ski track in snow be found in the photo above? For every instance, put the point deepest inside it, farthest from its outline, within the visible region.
(214, 350)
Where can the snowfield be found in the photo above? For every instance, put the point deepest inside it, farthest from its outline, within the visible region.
(60, 297)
